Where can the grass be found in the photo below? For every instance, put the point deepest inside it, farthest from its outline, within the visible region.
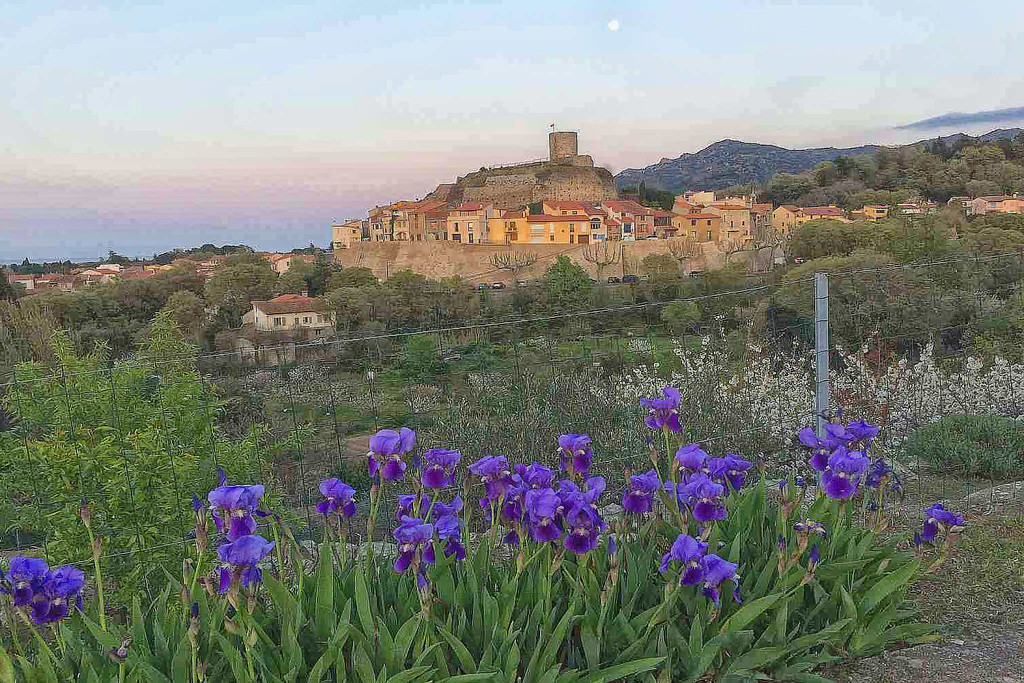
(982, 584)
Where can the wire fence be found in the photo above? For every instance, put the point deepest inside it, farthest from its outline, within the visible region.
(137, 437)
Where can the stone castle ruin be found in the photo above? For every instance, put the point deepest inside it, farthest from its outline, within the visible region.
(566, 175)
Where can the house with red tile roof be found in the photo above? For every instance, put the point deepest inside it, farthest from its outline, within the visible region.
(291, 313)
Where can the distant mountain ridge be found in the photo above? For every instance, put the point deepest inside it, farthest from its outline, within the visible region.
(733, 162)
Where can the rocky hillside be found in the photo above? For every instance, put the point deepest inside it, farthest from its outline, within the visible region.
(731, 162)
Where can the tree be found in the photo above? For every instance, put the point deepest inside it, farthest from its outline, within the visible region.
(602, 255)
(244, 278)
(8, 290)
(566, 285)
(351, 277)
(819, 238)
(869, 298)
(188, 312)
(515, 262)
(681, 316)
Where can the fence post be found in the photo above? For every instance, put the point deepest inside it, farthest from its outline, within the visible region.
(821, 353)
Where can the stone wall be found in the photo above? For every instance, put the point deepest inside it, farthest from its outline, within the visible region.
(472, 262)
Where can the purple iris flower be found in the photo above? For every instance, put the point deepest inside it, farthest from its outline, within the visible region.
(241, 559)
(541, 507)
(716, 572)
(688, 551)
(405, 504)
(339, 498)
(939, 519)
(439, 470)
(411, 534)
(731, 470)
(704, 498)
(575, 453)
(639, 497)
(583, 527)
(447, 509)
(448, 530)
(26, 576)
(386, 450)
(692, 458)
(494, 473)
(61, 587)
(861, 431)
(809, 526)
(233, 508)
(663, 412)
(819, 458)
(535, 475)
(512, 505)
(879, 473)
(813, 558)
(843, 474)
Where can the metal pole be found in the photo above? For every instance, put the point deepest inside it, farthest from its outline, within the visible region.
(821, 352)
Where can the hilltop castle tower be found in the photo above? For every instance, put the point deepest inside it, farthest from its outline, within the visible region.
(567, 175)
(562, 145)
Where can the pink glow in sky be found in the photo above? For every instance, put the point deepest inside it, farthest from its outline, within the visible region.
(144, 127)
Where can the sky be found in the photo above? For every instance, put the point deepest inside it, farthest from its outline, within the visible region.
(143, 126)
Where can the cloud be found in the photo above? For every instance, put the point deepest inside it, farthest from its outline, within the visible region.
(1009, 115)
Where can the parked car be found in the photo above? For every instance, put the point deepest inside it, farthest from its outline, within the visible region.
(521, 283)
(498, 285)
(630, 279)
(696, 274)
(644, 278)
(614, 280)
(652, 237)
(798, 260)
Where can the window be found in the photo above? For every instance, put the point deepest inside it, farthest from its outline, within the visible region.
(709, 225)
(455, 227)
(471, 225)
(305, 320)
(572, 227)
(693, 221)
(278, 322)
(552, 238)
(709, 239)
(471, 238)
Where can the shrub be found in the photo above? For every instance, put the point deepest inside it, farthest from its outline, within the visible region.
(972, 444)
(746, 590)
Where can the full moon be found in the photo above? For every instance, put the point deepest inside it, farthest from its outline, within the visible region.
(613, 25)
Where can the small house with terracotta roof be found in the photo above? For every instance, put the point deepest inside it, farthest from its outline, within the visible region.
(786, 217)
(698, 226)
(558, 229)
(509, 226)
(467, 222)
(636, 219)
(831, 212)
(291, 313)
(737, 224)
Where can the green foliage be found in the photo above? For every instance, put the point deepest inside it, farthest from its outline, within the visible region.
(352, 277)
(566, 285)
(893, 303)
(419, 360)
(243, 278)
(820, 238)
(894, 175)
(135, 439)
(539, 616)
(188, 311)
(970, 444)
(681, 316)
